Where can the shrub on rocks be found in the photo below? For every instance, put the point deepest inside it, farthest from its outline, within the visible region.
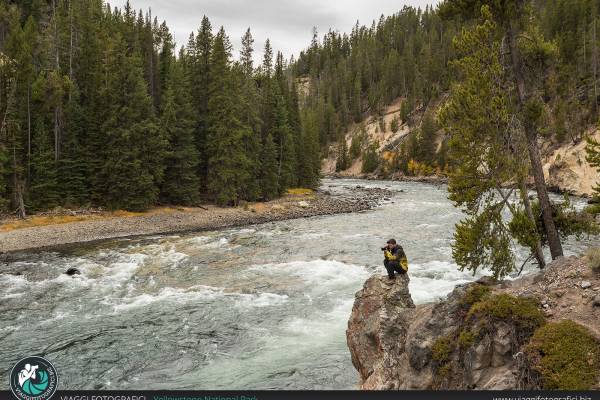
(522, 311)
(466, 338)
(475, 294)
(441, 350)
(441, 353)
(565, 356)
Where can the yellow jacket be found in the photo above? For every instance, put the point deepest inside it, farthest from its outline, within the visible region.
(397, 254)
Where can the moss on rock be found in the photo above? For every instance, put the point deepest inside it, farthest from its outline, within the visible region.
(565, 355)
(523, 312)
(475, 293)
(441, 350)
(466, 338)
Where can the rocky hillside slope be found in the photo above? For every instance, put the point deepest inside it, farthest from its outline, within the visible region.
(386, 138)
(540, 331)
(565, 166)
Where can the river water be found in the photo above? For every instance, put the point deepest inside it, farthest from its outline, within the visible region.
(260, 307)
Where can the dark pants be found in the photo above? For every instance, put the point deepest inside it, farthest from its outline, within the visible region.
(393, 266)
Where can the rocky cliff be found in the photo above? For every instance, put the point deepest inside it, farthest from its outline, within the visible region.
(567, 170)
(565, 166)
(485, 335)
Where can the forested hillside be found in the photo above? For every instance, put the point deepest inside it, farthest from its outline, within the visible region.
(97, 107)
(409, 55)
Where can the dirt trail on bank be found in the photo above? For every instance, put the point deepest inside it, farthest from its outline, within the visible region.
(190, 219)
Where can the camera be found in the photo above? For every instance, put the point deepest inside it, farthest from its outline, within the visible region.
(384, 248)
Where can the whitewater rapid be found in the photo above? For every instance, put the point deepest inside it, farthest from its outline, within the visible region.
(260, 307)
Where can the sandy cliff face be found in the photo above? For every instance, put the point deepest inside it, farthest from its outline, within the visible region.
(565, 167)
(567, 170)
(397, 345)
(374, 133)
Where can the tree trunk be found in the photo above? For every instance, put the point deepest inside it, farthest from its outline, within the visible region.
(537, 251)
(532, 147)
(595, 63)
(280, 160)
(56, 135)
(57, 106)
(17, 183)
(21, 213)
(71, 43)
(29, 134)
(584, 51)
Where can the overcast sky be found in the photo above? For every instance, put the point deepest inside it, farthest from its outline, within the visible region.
(288, 23)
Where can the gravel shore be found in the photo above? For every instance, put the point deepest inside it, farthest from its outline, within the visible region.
(190, 219)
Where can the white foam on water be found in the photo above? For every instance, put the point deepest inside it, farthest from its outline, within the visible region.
(165, 294)
(425, 226)
(436, 279)
(12, 285)
(10, 328)
(198, 240)
(259, 300)
(120, 272)
(57, 316)
(195, 293)
(323, 324)
(163, 253)
(357, 235)
(313, 235)
(318, 274)
(245, 231)
(215, 244)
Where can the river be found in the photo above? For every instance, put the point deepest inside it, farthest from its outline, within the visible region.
(259, 307)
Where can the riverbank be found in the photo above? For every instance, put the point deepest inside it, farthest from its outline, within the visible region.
(430, 179)
(94, 226)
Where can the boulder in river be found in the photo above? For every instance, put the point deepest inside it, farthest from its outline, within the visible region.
(73, 271)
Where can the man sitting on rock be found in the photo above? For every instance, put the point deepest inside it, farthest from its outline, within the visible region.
(395, 259)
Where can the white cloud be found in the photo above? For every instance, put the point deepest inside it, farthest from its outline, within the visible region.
(287, 23)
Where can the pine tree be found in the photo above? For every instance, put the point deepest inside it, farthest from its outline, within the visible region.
(200, 80)
(528, 64)
(282, 135)
(268, 177)
(43, 188)
(227, 163)
(426, 150)
(310, 163)
(72, 166)
(132, 169)
(181, 184)
(342, 161)
(4, 170)
(98, 105)
(370, 159)
(487, 154)
(250, 117)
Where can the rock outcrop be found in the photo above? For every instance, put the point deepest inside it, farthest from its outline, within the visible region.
(392, 342)
(474, 339)
(567, 170)
(378, 328)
